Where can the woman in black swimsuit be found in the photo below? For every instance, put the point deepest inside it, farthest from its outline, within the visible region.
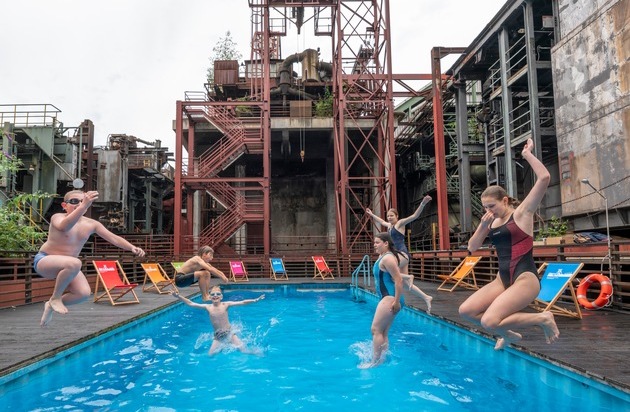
(497, 305)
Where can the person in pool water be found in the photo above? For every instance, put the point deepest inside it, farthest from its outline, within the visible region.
(396, 228)
(198, 269)
(388, 285)
(58, 257)
(497, 306)
(218, 312)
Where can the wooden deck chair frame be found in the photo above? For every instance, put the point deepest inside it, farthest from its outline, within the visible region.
(159, 280)
(277, 270)
(114, 288)
(458, 277)
(240, 276)
(553, 283)
(321, 268)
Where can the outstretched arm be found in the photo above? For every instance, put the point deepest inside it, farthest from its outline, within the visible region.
(376, 218)
(214, 271)
(245, 301)
(406, 220)
(187, 301)
(117, 240)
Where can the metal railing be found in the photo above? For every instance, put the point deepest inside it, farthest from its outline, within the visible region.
(365, 269)
(25, 115)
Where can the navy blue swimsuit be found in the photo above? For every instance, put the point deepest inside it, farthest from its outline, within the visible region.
(515, 250)
(399, 241)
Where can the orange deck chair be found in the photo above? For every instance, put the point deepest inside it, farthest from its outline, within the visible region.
(278, 271)
(458, 277)
(321, 268)
(237, 271)
(115, 283)
(158, 279)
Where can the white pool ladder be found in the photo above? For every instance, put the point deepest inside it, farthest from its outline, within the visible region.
(364, 269)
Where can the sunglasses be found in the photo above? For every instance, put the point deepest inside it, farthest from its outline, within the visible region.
(74, 201)
(216, 294)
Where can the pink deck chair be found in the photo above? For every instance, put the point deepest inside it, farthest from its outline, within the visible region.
(238, 272)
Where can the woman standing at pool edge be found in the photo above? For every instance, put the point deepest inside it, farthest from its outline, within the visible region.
(497, 305)
(396, 228)
(388, 285)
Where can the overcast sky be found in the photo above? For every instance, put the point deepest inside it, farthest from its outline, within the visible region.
(124, 63)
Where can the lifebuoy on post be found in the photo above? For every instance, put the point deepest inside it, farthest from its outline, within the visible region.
(605, 294)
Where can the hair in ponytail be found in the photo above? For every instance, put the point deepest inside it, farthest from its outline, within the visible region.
(386, 237)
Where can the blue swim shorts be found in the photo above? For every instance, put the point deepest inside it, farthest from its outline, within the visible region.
(39, 256)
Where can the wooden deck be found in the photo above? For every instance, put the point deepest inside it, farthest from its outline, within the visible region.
(596, 346)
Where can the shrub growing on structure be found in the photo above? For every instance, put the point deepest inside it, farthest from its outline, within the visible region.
(17, 231)
(324, 106)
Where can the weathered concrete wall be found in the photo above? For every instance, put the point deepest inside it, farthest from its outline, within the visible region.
(574, 13)
(591, 71)
(299, 212)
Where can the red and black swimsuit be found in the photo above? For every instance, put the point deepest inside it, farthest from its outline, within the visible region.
(515, 250)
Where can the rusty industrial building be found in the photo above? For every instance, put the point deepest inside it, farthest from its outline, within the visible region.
(282, 153)
(241, 142)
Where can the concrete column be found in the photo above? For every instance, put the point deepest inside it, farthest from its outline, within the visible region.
(465, 190)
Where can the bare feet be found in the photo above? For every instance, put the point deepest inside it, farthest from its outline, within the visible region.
(549, 327)
(428, 302)
(47, 316)
(205, 298)
(58, 306)
(506, 340)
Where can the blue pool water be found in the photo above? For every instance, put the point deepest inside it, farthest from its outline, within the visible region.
(310, 345)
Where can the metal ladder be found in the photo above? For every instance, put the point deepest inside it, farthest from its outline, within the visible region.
(363, 268)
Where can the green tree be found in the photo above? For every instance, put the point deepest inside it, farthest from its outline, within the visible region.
(17, 231)
(225, 49)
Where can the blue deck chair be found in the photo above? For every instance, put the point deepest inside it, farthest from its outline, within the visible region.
(278, 271)
(556, 279)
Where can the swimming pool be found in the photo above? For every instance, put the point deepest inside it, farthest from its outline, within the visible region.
(311, 343)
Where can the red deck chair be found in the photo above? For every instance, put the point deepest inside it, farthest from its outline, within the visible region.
(238, 272)
(321, 268)
(115, 282)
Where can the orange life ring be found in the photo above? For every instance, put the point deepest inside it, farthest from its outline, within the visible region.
(606, 291)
